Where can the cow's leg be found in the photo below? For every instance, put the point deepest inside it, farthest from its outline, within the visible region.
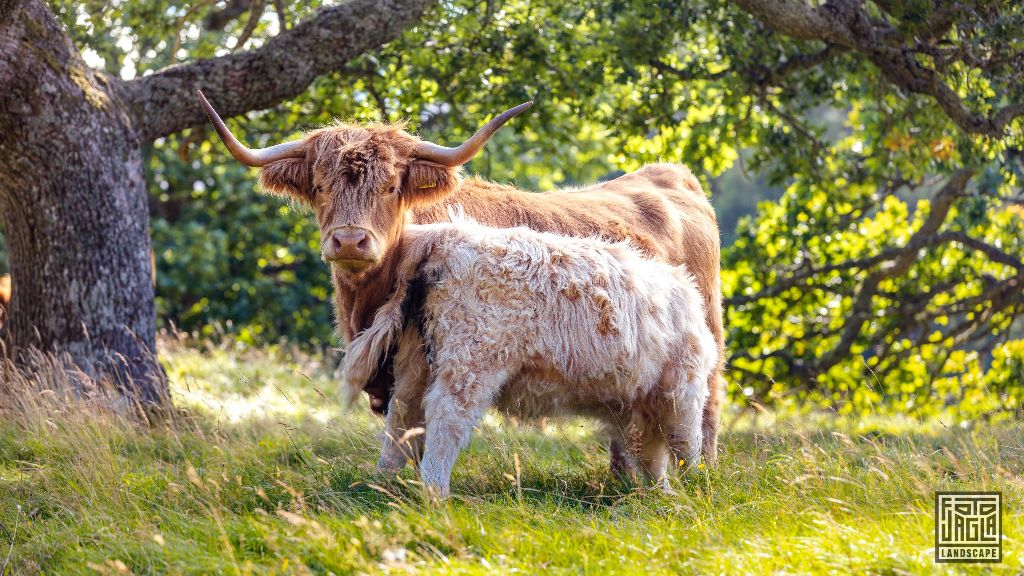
(402, 440)
(654, 455)
(453, 405)
(684, 433)
(710, 419)
(621, 464)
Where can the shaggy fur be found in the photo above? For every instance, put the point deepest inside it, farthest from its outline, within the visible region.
(365, 176)
(538, 325)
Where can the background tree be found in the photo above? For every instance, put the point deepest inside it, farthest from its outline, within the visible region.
(884, 272)
(73, 194)
(889, 273)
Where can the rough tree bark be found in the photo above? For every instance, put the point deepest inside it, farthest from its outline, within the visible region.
(73, 203)
(72, 191)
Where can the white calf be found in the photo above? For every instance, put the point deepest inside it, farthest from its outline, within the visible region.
(536, 324)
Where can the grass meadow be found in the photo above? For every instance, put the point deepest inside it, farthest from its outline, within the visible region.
(262, 471)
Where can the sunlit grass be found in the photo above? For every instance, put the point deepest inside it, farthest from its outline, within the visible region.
(262, 472)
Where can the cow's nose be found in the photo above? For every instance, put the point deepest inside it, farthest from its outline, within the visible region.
(350, 243)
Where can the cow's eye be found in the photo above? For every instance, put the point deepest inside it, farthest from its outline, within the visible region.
(318, 189)
(393, 190)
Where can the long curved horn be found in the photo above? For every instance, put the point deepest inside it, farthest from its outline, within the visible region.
(458, 156)
(255, 158)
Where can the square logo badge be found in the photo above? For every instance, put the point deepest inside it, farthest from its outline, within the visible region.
(968, 527)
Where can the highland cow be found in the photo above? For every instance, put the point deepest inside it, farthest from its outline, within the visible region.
(365, 182)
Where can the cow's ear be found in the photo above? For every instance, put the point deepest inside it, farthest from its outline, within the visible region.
(428, 183)
(291, 178)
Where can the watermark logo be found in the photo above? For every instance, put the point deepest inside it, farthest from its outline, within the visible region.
(968, 527)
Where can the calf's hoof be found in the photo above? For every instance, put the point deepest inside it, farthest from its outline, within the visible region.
(666, 488)
(437, 494)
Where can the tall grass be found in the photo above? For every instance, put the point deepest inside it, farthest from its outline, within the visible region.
(259, 471)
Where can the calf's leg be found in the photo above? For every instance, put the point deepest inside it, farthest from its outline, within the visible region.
(621, 462)
(654, 456)
(711, 417)
(453, 406)
(646, 443)
(684, 414)
(684, 434)
(716, 380)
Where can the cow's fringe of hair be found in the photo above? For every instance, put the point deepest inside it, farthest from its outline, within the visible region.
(368, 350)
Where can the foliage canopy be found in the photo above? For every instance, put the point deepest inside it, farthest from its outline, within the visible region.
(888, 275)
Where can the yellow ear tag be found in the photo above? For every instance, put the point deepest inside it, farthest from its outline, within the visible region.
(434, 185)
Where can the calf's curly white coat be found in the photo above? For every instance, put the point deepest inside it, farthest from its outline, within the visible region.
(536, 324)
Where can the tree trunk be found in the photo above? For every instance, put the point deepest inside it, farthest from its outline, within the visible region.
(73, 203)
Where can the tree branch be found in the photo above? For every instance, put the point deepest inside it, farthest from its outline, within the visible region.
(845, 23)
(994, 254)
(797, 19)
(218, 19)
(687, 74)
(181, 25)
(912, 247)
(903, 70)
(282, 15)
(758, 74)
(164, 103)
(862, 305)
(255, 13)
(800, 61)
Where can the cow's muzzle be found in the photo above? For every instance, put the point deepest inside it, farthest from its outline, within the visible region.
(350, 247)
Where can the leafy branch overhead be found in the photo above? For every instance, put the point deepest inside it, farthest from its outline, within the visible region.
(279, 66)
(164, 102)
(913, 54)
(96, 302)
(893, 254)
